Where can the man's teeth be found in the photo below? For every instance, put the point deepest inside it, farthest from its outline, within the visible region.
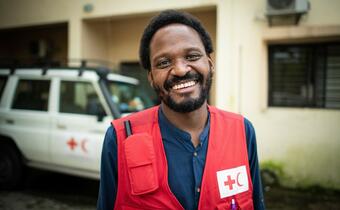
(184, 85)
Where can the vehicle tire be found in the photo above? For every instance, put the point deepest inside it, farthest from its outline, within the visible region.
(11, 168)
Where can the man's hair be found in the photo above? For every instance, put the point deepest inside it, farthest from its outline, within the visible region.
(165, 18)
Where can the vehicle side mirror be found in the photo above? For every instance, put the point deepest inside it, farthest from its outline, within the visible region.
(100, 115)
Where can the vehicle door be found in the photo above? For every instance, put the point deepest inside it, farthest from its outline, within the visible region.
(79, 126)
(26, 116)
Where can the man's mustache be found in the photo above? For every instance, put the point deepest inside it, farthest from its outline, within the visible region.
(189, 76)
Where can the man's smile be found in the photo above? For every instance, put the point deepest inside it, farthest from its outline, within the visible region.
(184, 85)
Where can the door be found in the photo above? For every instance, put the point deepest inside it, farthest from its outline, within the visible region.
(28, 121)
(79, 127)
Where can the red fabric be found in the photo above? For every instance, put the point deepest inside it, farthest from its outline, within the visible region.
(143, 171)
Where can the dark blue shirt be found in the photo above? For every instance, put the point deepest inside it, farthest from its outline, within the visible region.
(185, 165)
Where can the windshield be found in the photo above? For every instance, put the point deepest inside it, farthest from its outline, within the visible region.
(128, 97)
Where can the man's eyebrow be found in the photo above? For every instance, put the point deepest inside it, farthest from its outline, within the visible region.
(193, 49)
(165, 54)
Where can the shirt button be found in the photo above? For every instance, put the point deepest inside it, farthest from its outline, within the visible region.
(198, 189)
(195, 154)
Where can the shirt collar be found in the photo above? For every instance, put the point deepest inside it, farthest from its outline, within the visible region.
(169, 130)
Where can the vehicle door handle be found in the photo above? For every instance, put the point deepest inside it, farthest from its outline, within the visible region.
(10, 121)
(60, 126)
(97, 131)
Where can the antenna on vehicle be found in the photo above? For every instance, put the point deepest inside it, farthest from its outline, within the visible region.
(82, 66)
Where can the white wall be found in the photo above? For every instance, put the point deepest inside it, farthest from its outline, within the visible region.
(304, 143)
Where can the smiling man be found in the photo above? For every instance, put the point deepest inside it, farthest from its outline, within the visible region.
(183, 154)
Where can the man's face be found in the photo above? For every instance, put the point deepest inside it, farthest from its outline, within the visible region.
(181, 71)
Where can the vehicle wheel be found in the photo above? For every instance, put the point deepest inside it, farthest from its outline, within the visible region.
(11, 169)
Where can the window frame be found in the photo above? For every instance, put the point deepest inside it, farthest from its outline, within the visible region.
(2, 89)
(312, 71)
(95, 87)
(11, 105)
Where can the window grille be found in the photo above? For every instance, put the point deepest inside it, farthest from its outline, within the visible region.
(304, 75)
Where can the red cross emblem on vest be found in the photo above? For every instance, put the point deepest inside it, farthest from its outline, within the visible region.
(229, 182)
(232, 181)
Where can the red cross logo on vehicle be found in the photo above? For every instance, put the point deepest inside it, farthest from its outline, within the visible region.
(78, 145)
(72, 143)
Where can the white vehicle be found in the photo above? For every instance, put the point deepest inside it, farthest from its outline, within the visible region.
(56, 118)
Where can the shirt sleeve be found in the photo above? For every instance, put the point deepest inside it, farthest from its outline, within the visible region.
(108, 172)
(254, 166)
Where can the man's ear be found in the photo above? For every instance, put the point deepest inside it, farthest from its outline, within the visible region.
(211, 64)
(150, 78)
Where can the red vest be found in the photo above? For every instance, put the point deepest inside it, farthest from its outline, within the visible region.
(143, 172)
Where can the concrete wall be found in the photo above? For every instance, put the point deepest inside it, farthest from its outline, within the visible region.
(301, 143)
(95, 40)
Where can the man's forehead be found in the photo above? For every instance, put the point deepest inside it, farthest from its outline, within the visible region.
(171, 32)
(176, 27)
(172, 37)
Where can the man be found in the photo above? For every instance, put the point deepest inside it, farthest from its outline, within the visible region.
(182, 154)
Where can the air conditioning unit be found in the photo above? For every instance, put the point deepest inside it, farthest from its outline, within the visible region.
(287, 7)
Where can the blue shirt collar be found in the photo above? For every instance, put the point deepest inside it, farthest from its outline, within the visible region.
(170, 131)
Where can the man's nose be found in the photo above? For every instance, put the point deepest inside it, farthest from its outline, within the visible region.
(180, 68)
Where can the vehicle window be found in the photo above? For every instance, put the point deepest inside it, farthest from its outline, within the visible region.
(129, 97)
(3, 81)
(32, 95)
(79, 98)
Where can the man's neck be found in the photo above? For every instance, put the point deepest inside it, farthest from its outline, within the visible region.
(191, 122)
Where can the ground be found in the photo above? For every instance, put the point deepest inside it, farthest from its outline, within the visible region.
(308, 199)
(44, 190)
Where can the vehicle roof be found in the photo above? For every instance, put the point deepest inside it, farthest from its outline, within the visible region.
(71, 72)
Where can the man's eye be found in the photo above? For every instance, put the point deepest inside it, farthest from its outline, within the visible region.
(193, 57)
(163, 64)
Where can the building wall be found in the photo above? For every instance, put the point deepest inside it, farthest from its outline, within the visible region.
(95, 39)
(301, 143)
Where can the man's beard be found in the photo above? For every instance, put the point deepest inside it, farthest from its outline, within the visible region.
(188, 104)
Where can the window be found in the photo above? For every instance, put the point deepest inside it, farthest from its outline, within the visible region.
(32, 95)
(305, 75)
(133, 69)
(79, 98)
(129, 97)
(3, 81)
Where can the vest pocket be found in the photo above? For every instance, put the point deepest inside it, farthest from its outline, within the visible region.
(245, 201)
(223, 206)
(247, 205)
(141, 163)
